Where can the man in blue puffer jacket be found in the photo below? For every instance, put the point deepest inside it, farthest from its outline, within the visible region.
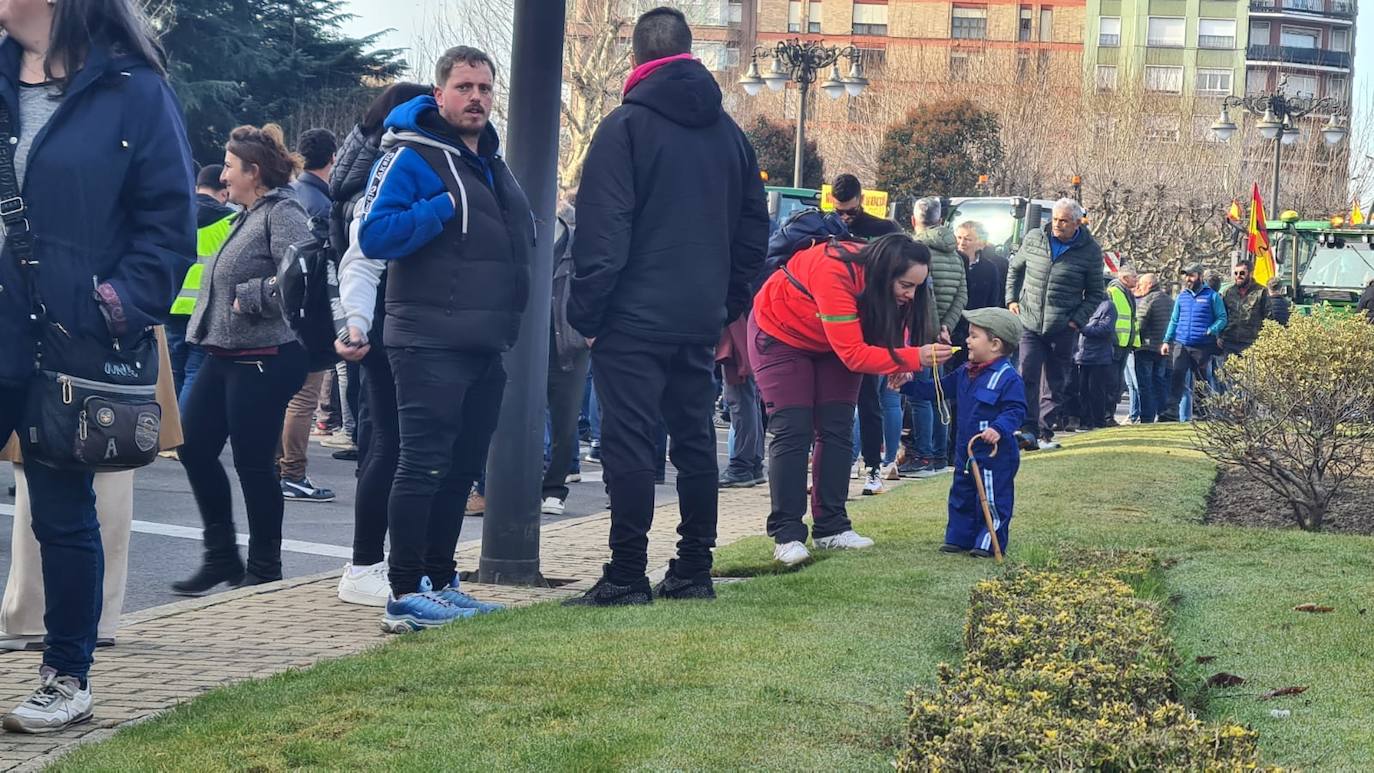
(1199, 317)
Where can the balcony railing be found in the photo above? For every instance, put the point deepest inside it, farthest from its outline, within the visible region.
(1313, 56)
(1216, 41)
(1108, 41)
(1344, 9)
(1163, 41)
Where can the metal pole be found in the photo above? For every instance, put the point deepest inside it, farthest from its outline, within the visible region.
(799, 163)
(510, 529)
(1278, 156)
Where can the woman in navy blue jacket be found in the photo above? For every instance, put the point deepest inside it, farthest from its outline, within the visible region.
(105, 174)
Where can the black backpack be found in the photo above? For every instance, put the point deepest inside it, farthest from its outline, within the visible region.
(305, 294)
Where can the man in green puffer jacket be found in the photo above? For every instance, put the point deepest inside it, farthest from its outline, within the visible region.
(1054, 284)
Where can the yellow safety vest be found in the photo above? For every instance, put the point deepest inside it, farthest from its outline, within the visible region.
(208, 241)
(1127, 335)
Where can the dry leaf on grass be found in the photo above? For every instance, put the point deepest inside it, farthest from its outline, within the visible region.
(1205, 658)
(1223, 679)
(1313, 608)
(1282, 691)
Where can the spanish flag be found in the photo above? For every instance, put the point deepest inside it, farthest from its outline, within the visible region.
(1258, 246)
(1356, 215)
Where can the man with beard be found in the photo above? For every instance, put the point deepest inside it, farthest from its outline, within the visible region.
(1191, 340)
(445, 210)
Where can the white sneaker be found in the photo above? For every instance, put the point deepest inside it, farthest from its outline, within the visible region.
(791, 553)
(858, 472)
(890, 472)
(552, 506)
(365, 585)
(1048, 445)
(59, 702)
(873, 483)
(575, 477)
(339, 439)
(846, 540)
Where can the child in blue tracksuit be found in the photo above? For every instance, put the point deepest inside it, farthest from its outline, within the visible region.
(991, 404)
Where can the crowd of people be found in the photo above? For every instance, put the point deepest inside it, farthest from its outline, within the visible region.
(840, 345)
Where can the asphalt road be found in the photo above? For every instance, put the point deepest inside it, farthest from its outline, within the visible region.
(166, 541)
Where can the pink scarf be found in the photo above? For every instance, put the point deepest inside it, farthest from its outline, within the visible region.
(644, 70)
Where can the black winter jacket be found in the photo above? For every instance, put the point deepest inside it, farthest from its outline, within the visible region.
(1152, 313)
(352, 167)
(1053, 293)
(672, 218)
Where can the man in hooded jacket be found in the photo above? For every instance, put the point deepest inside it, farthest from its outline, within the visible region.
(673, 225)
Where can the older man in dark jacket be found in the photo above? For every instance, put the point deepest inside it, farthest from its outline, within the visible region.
(1152, 311)
(1054, 284)
(673, 225)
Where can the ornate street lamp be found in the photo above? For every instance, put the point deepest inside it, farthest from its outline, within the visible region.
(1279, 115)
(802, 62)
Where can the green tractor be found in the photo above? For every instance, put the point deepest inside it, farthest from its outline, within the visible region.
(1322, 262)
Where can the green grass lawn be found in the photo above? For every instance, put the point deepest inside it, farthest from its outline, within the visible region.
(807, 670)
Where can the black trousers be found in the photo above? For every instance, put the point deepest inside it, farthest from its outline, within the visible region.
(637, 382)
(1050, 356)
(379, 446)
(1185, 359)
(566, 389)
(241, 400)
(447, 403)
(1095, 386)
(871, 421)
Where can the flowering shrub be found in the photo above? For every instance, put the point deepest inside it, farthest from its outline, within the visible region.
(1066, 669)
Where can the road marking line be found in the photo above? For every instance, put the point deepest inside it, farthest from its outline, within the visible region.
(194, 533)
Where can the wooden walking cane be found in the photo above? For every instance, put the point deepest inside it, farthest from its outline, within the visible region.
(983, 496)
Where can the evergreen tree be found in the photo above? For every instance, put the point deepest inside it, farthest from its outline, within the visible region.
(776, 148)
(939, 149)
(256, 61)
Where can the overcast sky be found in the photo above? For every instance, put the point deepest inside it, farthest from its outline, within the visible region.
(407, 16)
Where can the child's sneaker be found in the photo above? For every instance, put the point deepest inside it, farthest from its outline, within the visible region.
(421, 610)
(948, 548)
(980, 553)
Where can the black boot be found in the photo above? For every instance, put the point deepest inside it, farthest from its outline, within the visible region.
(251, 578)
(208, 576)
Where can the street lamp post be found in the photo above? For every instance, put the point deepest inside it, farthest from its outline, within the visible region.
(803, 62)
(1279, 115)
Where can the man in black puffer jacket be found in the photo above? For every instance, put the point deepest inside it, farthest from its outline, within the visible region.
(672, 228)
(1054, 284)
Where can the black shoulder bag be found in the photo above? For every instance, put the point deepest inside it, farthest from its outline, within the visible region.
(91, 402)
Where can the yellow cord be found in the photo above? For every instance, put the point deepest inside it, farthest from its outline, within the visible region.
(939, 390)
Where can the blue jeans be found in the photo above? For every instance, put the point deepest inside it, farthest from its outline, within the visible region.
(927, 430)
(746, 428)
(891, 402)
(593, 411)
(1152, 381)
(1132, 387)
(64, 522)
(186, 358)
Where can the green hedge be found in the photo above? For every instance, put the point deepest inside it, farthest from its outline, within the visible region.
(1066, 668)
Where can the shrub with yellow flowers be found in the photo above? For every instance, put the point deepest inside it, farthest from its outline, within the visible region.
(1066, 668)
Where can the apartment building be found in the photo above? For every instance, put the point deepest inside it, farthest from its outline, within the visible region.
(1307, 46)
(1166, 48)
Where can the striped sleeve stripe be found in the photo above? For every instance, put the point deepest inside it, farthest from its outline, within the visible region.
(838, 317)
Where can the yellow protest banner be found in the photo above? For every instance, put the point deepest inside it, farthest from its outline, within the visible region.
(875, 202)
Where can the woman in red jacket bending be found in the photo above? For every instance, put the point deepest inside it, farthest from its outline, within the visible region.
(832, 313)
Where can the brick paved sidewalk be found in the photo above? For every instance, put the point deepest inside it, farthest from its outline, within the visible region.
(169, 654)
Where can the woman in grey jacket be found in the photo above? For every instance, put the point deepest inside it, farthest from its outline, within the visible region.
(255, 364)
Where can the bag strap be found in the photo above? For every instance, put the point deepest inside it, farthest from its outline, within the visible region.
(18, 236)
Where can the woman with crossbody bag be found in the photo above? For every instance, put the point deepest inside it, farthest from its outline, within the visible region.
(99, 220)
(254, 364)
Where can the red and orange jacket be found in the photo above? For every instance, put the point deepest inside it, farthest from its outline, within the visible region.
(826, 316)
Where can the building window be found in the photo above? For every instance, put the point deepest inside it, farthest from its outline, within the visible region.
(958, 66)
(1165, 32)
(1046, 24)
(736, 11)
(1023, 28)
(1161, 128)
(1335, 86)
(874, 59)
(1214, 83)
(715, 55)
(794, 16)
(870, 18)
(1259, 33)
(1216, 33)
(1299, 37)
(1256, 82)
(1295, 85)
(1106, 77)
(969, 23)
(813, 17)
(1109, 31)
(1165, 80)
(1340, 39)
